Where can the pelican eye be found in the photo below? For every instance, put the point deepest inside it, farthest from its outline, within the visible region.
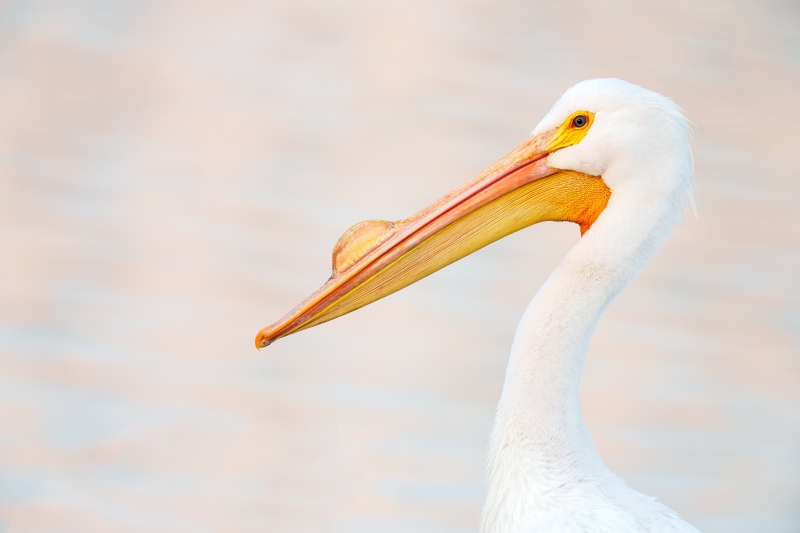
(580, 121)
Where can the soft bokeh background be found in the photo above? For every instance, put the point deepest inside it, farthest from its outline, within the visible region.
(173, 175)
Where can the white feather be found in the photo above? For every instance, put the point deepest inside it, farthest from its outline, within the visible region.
(544, 472)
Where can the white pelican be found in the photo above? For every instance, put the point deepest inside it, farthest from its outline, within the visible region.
(615, 159)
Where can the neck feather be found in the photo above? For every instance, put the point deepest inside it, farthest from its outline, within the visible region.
(541, 452)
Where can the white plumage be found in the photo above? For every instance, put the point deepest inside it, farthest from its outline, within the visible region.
(610, 156)
(544, 472)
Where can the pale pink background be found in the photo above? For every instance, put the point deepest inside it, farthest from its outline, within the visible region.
(173, 175)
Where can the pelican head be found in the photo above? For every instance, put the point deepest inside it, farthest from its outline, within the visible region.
(638, 141)
(609, 153)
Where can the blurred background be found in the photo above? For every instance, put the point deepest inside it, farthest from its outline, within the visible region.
(174, 174)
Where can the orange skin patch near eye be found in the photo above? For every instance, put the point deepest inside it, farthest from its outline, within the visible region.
(568, 134)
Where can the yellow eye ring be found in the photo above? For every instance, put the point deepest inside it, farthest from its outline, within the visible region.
(572, 130)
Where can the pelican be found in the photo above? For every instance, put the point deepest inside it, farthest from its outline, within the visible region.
(613, 158)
